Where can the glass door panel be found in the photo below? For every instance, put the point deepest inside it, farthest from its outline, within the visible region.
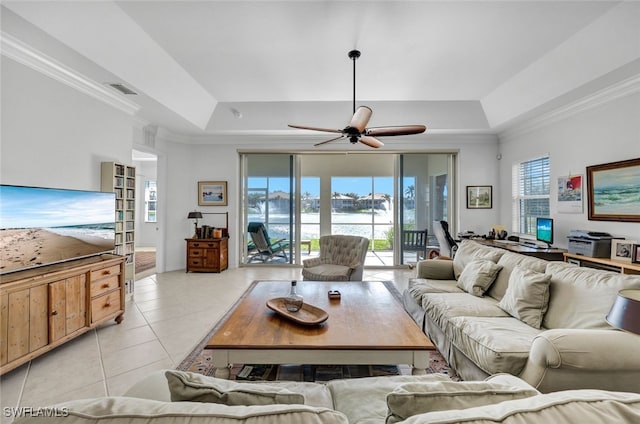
(269, 199)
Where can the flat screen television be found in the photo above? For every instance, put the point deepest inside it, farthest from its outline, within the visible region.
(544, 230)
(41, 226)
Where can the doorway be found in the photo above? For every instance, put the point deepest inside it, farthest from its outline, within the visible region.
(146, 229)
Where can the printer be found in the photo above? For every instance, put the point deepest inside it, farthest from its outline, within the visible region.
(594, 244)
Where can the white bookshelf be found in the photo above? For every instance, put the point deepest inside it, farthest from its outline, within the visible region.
(121, 179)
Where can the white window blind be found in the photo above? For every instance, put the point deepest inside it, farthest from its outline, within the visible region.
(530, 192)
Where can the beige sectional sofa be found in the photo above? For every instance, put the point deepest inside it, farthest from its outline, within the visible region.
(171, 397)
(492, 311)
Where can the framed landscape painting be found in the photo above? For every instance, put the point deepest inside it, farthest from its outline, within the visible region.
(212, 193)
(613, 191)
(479, 197)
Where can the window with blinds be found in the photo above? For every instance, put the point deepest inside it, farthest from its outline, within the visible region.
(530, 190)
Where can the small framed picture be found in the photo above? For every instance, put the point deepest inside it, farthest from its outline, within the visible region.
(212, 193)
(622, 250)
(479, 197)
(635, 254)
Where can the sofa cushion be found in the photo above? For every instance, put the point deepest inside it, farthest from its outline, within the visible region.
(419, 286)
(441, 307)
(477, 276)
(417, 398)
(188, 386)
(364, 400)
(470, 250)
(327, 272)
(508, 261)
(494, 344)
(582, 297)
(123, 410)
(576, 406)
(435, 269)
(527, 296)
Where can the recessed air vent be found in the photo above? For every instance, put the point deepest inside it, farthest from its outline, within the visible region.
(124, 90)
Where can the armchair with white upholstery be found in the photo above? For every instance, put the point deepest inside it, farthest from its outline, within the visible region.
(341, 259)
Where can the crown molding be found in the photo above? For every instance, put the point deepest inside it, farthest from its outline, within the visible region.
(23, 53)
(615, 91)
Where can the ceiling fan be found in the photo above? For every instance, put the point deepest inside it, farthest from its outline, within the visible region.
(357, 130)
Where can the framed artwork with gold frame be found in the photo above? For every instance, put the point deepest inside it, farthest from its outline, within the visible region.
(212, 193)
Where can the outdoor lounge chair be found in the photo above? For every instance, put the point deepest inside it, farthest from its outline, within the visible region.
(265, 249)
(341, 259)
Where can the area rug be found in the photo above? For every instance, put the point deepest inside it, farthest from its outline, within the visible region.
(144, 261)
(200, 361)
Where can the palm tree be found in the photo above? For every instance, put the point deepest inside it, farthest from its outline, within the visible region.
(410, 192)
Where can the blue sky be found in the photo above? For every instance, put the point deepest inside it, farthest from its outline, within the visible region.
(28, 207)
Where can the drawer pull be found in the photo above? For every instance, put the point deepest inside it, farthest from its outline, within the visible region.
(54, 313)
(106, 272)
(105, 286)
(106, 305)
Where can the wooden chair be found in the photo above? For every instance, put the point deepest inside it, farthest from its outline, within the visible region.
(415, 241)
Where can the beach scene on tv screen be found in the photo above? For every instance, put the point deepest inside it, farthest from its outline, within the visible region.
(39, 226)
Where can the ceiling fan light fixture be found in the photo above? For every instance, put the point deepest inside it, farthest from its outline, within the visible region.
(357, 131)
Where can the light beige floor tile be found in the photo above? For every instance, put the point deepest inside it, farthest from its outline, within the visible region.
(116, 338)
(11, 388)
(133, 357)
(51, 397)
(118, 385)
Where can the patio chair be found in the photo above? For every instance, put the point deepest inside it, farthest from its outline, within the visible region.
(448, 245)
(341, 259)
(415, 241)
(265, 249)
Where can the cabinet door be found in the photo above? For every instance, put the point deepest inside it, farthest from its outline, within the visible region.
(67, 306)
(26, 322)
(76, 303)
(212, 258)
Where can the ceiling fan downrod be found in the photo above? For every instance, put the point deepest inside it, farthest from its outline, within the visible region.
(354, 55)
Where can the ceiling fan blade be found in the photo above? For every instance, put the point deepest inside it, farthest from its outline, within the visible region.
(371, 141)
(328, 141)
(331, 130)
(391, 131)
(361, 118)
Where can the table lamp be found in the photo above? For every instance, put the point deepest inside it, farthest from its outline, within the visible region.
(195, 215)
(625, 312)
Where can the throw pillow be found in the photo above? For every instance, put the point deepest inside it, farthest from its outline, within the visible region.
(527, 296)
(418, 398)
(477, 276)
(192, 387)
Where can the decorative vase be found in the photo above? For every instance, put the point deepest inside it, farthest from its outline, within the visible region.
(293, 301)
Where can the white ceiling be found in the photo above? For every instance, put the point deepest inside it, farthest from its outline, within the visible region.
(473, 66)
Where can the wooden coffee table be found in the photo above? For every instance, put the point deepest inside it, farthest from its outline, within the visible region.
(367, 326)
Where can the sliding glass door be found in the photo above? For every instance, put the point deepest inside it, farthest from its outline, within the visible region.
(301, 197)
(425, 185)
(269, 199)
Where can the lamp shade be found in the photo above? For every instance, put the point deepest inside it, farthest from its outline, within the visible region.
(194, 215)
(625, 312)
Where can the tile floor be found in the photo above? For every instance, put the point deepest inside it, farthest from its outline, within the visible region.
(169, 314)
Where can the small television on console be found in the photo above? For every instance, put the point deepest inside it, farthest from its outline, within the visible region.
(544, 230)
(41, 226)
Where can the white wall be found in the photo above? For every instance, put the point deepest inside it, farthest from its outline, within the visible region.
(604, 133)
(55, 136)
